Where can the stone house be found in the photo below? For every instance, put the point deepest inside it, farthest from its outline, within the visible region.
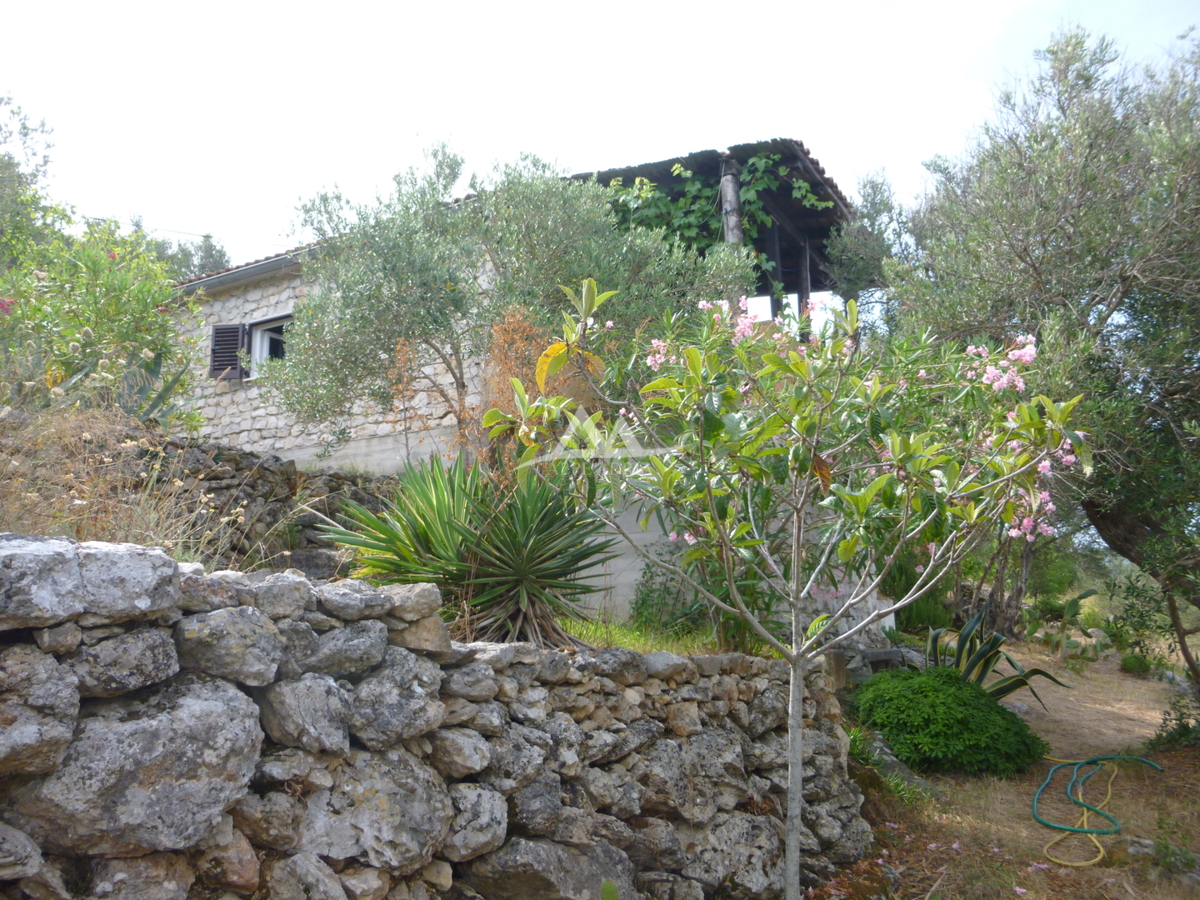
(245, 310)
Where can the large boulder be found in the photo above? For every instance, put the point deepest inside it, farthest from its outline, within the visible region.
(742, 855)
(154, 773)
(240, 643)
(480, 822)
(398, 701)
(273, 820)
(352, 599)
(20, 856)
(388, 809)
(39, 701)
(157, 876)
(311, 712)
(346, 652)
(284, 595)
(303, 877)
(40, 583)
(523, 869)
(126, 581)
(125, 663)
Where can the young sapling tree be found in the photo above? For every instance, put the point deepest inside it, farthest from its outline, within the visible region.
(865, 451)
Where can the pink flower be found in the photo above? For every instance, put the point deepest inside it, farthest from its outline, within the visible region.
(1046, 530)
(704, 304)
(1020, 890)
(1068, 460)
(920, 569)
(111, 255)
(1014, 532)
(743, 328)
(1044, 496)
(932, 846)
(956, 846)
(659, 356)
(6, 305)
(1024, 355)
(744, 303)
(673, 536)
(689, 537)
(922, 374)
(608, 326)
(1044, 467)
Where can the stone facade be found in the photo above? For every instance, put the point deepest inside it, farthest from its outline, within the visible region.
(176, 735)
(241, 413)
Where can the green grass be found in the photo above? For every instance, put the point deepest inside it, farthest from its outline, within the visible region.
(605, 634)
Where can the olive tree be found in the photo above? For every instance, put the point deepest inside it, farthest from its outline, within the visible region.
(408, 287)
(1076, 217)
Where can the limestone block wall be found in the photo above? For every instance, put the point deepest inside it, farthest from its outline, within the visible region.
(175, 735)
(242, 414)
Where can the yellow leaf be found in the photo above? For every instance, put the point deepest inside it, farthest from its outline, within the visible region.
(821, 469)
(552, 353)
(594, 363)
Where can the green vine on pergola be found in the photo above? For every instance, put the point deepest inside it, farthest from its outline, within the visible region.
(690, 207)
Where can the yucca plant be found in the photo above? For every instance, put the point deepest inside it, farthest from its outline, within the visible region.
(976, 658)
(419, 535)
(511, 556)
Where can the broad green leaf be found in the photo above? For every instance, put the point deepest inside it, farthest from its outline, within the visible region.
(847, 548)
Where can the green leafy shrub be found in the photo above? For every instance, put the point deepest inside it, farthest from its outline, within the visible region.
(1136, 664)
(1180, 726)
(927, 611)
(936, 721)
(510, 555)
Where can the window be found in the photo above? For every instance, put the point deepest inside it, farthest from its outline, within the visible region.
(266, 342)
(233, 346)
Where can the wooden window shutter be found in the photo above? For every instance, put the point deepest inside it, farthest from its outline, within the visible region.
(229, 342)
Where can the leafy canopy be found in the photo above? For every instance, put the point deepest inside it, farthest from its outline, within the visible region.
(424, 272)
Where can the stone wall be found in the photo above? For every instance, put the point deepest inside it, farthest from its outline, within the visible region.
(242, 414)
(172, 735)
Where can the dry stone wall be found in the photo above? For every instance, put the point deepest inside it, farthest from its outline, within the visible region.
(174, 735)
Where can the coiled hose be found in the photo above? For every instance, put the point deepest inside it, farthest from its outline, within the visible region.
(1075, 795)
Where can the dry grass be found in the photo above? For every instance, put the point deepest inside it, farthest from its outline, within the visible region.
(983, 843)
(95, 475)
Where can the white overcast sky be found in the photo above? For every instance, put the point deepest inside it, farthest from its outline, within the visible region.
(220, 117)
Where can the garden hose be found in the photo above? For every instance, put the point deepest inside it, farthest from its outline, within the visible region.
(1081, 826)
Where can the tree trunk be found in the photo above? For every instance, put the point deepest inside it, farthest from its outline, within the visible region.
(795, 802)
(1132, 535)
(1182, 635)
(1005, 619)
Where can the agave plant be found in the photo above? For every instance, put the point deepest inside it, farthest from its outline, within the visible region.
(510, 556)
(976, 658)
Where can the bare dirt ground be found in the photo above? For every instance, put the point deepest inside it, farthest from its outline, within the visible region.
(983, 843)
